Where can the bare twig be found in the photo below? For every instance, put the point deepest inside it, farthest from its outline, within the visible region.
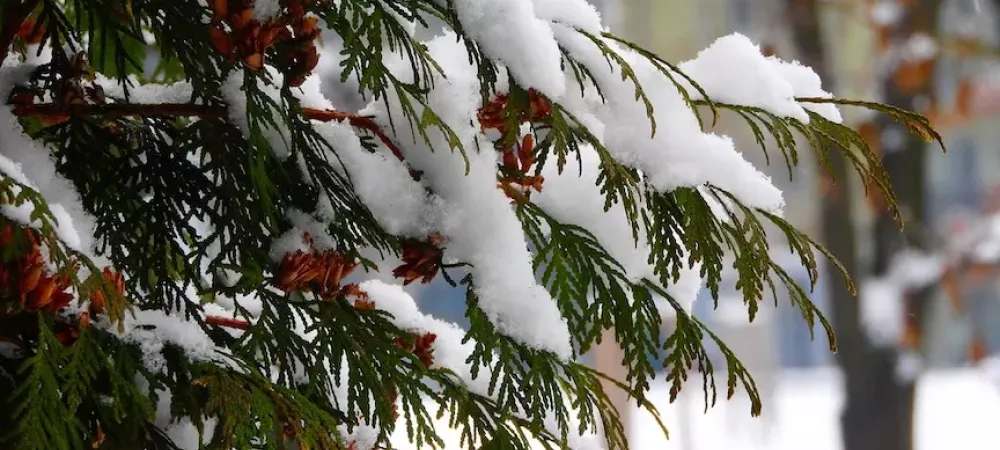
(363, 122)
(236, 324)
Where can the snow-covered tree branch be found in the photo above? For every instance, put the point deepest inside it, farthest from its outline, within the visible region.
(212, 251)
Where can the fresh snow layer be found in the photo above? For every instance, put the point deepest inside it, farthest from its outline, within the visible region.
(733, 70)
(679, 154)
(509, 31)
(473, 215)
(30, 163)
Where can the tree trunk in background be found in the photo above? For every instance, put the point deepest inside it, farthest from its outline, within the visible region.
(904, 157)
(878, 407)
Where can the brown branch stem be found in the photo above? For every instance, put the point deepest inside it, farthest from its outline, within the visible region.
(16, 14)
(358, 121)
(236, 324)
(192, 110)
(120, 110)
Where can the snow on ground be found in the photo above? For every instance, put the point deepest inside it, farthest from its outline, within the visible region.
(957, 409)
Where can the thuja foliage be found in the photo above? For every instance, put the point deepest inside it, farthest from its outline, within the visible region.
(146, 171)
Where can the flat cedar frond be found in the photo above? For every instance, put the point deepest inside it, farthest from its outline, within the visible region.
(670, 71)
(822, 135)
(917, 123)
(251, 406)
(42, 414)
(615, 59)
(577, 270)
(546, 383)
(564, 134)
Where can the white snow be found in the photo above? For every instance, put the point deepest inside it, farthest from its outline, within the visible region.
(509, 31)
(576, 13)
(917, 269)
(293, 240)
(990, 369)
(984, 241)
(363, 437)
(882, 308)
(398, 202)
(164, 329)
(30, 163)
(806, 83)
(679, 154)
(473, 215)
(909, 365)
(882, 313)
(65, 229)
(146, 93)
(733, 70)
(266, 10)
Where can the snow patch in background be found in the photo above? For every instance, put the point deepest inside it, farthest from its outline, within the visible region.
(886, 12)
(955, 409)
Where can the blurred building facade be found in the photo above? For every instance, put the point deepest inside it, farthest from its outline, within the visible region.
(958, 183)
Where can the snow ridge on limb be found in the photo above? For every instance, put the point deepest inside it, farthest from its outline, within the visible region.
(473, 215)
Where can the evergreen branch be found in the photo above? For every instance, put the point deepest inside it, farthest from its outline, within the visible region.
(637, 395)
(593, 291)
(668, 70)
(526, 381)
(824, 135)
(613, 57)
(44, 420)
(114, 110)
(16, 14)
(917, 123)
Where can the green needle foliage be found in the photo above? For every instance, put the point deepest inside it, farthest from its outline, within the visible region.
(147, 174)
